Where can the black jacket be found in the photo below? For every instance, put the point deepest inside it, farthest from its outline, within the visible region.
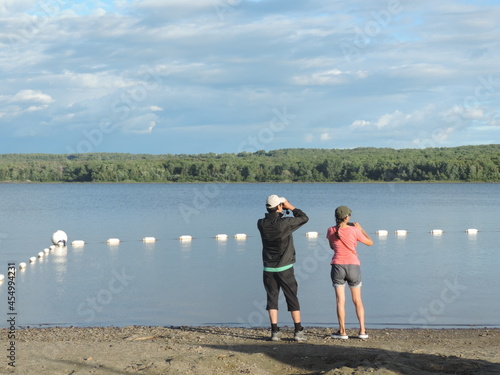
(277, 240)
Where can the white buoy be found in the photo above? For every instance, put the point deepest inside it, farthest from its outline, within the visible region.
(113, 241)
(312, 234)
(40, 254)
(77, 243)
(2, 277)
(59, 238)
(52, 247)
(32, 259)
(401, 232)
(149, 239)
(471, 231)
(382, 232)
(437, 232)
(221, 237)
(46, 250)
(240, 236)
(185, 238)
(22, 265)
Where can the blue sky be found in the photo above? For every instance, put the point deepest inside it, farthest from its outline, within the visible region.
(226, 76)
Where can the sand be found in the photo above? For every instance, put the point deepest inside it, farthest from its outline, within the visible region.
(223, 350)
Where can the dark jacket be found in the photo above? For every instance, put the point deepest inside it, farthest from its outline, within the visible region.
(277, 240)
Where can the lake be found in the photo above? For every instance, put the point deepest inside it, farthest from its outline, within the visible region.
(417, 280)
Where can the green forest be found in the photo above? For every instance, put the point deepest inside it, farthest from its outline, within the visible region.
(451, 164)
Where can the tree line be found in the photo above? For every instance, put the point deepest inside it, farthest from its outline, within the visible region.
(452, 164)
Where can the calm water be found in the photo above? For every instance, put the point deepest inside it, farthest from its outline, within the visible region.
(420, 280)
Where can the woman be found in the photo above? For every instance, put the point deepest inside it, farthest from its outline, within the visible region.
(343, 239)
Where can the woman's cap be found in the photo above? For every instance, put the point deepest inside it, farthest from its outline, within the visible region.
(342, 212)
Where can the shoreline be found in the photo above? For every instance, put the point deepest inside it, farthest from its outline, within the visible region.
(233, 350)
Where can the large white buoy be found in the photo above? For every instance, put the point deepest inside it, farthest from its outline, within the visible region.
(240, 236)
(113, 241)
(221, 237)
(312, 234)
(22, 265)
(149, 239)
(32, 259)
(382, 232)
(59, 238)
(185, 238)
(401, 232)
(471, 231)
(437, 232)
(78, 243)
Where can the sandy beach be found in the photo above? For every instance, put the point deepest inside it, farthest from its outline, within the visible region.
(223, 350)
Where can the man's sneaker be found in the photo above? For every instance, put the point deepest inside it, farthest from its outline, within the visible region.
(275, 336)
(299, 336)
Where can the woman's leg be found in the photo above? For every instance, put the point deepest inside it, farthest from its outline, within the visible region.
(340, 297)
(360, 310)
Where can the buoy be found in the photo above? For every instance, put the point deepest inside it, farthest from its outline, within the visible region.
(2, 276)
(437, 231)
(40, 254)
(471, 231)
(221, 237)
(149, 239)
(46, 250)
(32, 259)
(382, 232)
(22, 265)
(78, 243)
(52, 247)
(401, 232)
(113, 241)
(312, 234)
(240, 236)
(59, 238)
(185, 238)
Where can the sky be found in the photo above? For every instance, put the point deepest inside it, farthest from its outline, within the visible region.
(231, 76)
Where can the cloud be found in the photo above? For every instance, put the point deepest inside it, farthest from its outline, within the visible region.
(214, 65)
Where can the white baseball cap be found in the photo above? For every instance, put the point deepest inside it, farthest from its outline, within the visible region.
(274, 200)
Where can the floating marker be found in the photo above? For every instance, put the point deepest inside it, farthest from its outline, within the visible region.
(46, 250)
(185, 238)
(32, 259)
(2, 277)
(149, 239)
(221, 237)
(40, 254)
(240, 236)
(312, 234)
(78, 243)
(113, 241)
(382, 232)
(471, 231)
(59, 238)
(22, 265)
(52, 247)
(437, 231)
(401, 232)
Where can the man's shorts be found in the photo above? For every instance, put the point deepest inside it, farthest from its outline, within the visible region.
(342, 273)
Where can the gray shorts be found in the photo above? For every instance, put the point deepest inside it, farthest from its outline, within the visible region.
(341, 273)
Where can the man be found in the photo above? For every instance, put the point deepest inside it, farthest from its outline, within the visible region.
(278, 255)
